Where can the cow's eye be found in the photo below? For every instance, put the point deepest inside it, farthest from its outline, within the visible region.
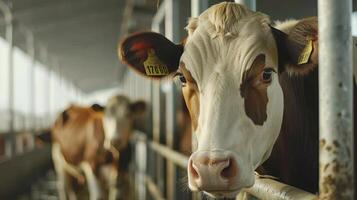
(181, 78)
(267, 74)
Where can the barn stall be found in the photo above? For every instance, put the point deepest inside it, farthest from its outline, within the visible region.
(54, 54)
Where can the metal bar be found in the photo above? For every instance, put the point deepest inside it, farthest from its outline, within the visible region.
(251, 4)
(45, 57)
(264, 188)
(50, 84)
(172, 21)
(198, 6)
(159, 17)
(336, 100)
(172, 16)
(127, 15)
(156, 100)
(141, 165)
(5, 9)
(30, 43)
(156, 115)
(171, 155)
(268, 189)
(8, 134)
(153, 189)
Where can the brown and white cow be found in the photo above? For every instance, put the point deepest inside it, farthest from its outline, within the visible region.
(244, 85)
(120, 119)
(80, 157)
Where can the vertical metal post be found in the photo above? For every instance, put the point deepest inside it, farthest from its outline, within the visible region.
(251, 4)
(50, 83)
(60, 78)
(45, 58)
(172, 30)
(31, 52)
(198, 6)
(156, 102)
(158, 18)
(9, 38)
(56, 102)
(336, 100)
(141, 158)
(10, 141)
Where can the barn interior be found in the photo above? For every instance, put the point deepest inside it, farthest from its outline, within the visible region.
(54, 54)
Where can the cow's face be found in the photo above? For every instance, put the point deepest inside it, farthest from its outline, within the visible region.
(229, 71)
(119, 116)
(232, 90)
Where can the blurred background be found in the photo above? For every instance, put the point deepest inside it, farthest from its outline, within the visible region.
(64, 51)
(54, 53)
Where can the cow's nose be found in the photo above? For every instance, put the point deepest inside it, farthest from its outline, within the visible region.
(212, 170)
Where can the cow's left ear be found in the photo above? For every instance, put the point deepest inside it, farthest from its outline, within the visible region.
(97, 108)
(150, 54)
(138, 107)
(44, 136)
(298, 47)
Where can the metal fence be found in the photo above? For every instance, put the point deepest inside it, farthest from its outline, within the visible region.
(18, 142)
(22, 163)
(264, 188)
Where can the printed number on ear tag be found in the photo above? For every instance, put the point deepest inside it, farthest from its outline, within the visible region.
(153, 66)
(306, 53)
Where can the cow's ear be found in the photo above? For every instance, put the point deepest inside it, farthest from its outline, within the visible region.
(150, 54)
(138, 107)
(44, 136)
(298, 47)
(139, 114)
(97, 108)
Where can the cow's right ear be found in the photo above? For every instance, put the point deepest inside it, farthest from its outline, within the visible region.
(298, 49)
(150, 54)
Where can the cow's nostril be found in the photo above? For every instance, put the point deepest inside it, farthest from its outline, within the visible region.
(230, 171)
(194, 172)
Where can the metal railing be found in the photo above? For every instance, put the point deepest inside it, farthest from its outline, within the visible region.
(17, 142)
(264, 188)
(22, 160)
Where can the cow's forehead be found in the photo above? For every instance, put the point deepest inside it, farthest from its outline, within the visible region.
(228, 36)
(204, 55)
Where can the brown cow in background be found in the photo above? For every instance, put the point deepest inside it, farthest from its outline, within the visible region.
(80, 156)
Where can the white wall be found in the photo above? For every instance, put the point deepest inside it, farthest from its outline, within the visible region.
(51, 93)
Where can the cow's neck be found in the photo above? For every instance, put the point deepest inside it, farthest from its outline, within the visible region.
(294, 159)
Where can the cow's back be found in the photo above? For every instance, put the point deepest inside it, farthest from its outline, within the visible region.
(79, 132)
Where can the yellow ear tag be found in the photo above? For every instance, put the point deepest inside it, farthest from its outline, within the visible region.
(306, 53)
(153, 66)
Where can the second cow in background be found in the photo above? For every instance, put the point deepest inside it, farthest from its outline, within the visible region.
(121, 117)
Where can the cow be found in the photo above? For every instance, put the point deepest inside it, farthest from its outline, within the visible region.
(248, 83)
(80, 156)
(121, 117)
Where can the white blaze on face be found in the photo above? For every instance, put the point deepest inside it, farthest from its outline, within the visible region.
(239, 115)
(116, 117)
